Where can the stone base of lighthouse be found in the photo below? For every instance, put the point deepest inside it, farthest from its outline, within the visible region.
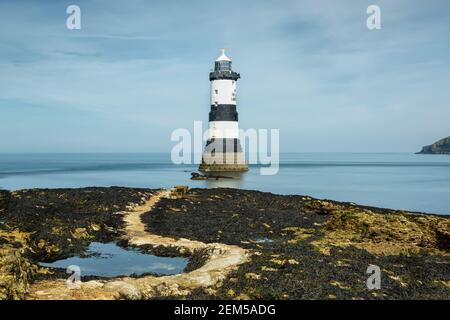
(223, 155)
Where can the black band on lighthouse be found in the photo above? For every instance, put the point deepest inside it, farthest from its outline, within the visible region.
(223, 112)
(224, 75)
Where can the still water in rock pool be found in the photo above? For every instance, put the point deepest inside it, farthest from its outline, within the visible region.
(110, 260)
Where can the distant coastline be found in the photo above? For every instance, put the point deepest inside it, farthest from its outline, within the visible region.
(439, 147)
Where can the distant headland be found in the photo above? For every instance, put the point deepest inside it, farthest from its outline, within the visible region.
(440, 147)
(239, 244)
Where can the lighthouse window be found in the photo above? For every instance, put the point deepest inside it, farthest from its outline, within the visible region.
(217, 91)
(223, 65)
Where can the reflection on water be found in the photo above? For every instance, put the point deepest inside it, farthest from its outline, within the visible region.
(263, 240)
(110, 260)
(235, 182)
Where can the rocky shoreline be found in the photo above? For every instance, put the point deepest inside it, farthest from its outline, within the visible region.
(298, 247)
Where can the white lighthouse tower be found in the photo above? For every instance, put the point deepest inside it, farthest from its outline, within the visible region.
(223, 151)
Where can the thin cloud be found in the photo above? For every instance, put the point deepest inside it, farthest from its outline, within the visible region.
(106, 36)
(311, 69)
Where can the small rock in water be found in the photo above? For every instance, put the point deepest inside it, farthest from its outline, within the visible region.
(198, 176)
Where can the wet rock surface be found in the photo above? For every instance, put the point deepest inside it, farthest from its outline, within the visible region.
(211, 263)
(305, 248)
(44, 225)
(62, 222)
(299, 247)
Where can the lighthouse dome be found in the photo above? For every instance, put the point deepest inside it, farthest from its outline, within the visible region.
(223, 57)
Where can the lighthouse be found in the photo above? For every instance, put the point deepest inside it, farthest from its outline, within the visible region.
(223, 151)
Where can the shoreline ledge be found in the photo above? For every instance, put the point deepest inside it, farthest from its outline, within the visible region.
(241, 244)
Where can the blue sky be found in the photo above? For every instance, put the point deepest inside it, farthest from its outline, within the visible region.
(139, 69)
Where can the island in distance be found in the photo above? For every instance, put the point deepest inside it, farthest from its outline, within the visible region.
(440, 147)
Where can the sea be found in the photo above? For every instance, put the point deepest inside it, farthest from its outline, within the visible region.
(404, 181)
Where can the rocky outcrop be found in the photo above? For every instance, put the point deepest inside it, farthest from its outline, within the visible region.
(44, 225)
(440, 147)
(219, 260)
(15, 269)
(305, 248)
(62, 222)
(242, 244)
(15, 273)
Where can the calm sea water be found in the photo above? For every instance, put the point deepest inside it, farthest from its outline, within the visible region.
(391, 180)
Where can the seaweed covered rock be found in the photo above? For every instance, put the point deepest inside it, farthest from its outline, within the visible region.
(385, 232)
(15, 269)
(305, 248)
(62, 222)
(228, 215)
(15, 273)
(5, 196)
(299, 247)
